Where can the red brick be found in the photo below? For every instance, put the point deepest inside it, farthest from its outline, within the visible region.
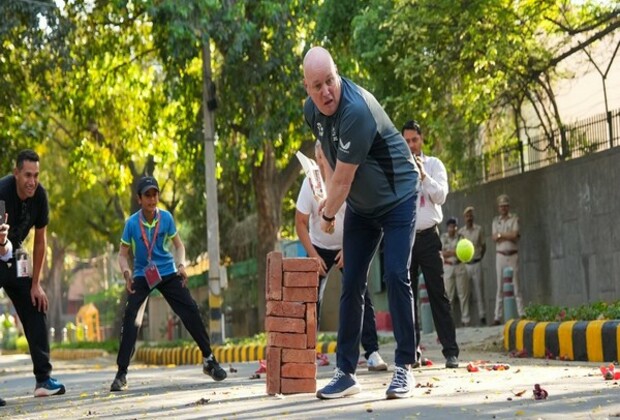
(299, 356)
(274, 276)
(274, 361)
(300, 264)
(311, 325)
(286, 309)
(298, 370)
(300, 294)
(301, 279)
(286, 340)
(287, 325)
(298, 386)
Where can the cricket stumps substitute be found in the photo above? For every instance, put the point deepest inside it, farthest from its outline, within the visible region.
(290, 323)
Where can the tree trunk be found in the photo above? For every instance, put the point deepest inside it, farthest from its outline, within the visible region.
(269, 208)
(54, 287)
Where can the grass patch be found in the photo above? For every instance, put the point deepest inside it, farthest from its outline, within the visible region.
(111, 346)
(587, 312)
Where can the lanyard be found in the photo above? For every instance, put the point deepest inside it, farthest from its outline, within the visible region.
(145, 239)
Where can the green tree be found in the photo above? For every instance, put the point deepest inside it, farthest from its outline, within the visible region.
(257, 70)
(459, 67)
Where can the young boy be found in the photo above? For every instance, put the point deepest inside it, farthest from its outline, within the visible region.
(149, 232)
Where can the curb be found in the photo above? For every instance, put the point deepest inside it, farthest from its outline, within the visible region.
(191, 355)
(590, 341)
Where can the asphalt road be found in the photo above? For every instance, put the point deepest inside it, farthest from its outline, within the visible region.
(576, 390)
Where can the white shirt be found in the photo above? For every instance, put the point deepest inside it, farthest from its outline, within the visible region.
(433, 193)
(307, 204)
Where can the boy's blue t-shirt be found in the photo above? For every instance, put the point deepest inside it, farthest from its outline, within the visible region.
(161, 256)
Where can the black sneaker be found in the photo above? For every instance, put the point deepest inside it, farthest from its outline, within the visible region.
(211, 367)
(2, 402)
(119, 384)
(452, 362)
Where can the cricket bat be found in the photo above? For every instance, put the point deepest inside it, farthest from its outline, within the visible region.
(312, 171)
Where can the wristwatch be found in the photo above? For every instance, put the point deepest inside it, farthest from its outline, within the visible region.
(328, 219)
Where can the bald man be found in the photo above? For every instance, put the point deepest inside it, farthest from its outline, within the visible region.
(374, 171)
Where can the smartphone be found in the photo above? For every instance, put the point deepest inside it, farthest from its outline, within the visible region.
(2, 212)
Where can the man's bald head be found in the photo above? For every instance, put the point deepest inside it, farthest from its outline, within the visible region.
(318, 57)
(321, 80)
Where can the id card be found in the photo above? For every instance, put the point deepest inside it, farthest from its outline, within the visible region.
(152, 275)
(22, 263)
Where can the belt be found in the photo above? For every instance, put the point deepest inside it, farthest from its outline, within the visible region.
(451, 263)
(426, 231)
(508, 253)
(477, 260)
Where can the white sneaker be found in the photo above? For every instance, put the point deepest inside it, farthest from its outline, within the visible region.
(376, 363)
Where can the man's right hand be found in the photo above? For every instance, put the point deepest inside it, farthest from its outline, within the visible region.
(129, 282)
(420, 164)
(322, 266)
(4, 232)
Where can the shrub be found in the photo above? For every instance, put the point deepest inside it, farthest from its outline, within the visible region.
(587, 312)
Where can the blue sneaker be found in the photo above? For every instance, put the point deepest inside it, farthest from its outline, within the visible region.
(402, 383)
(49, 387)
(341, 385)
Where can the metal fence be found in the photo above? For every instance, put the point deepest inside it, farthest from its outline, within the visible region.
(590, 135)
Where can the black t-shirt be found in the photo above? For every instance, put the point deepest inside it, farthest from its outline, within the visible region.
(23, 215)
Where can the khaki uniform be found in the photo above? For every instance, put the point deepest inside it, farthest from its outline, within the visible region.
(507, 255)
(455, 277)
(474, 267)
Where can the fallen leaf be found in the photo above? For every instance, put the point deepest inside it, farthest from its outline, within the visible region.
(202, 401)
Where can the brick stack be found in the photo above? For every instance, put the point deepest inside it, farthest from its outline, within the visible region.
(290, 322)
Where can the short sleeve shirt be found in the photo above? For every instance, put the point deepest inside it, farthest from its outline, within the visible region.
(23, 215)
(361, 133)
(476, 236)
(449, 244)
(509, 224)
(161, 256)
(307, 204)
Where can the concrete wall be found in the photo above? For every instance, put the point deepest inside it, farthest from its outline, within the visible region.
(570, 229)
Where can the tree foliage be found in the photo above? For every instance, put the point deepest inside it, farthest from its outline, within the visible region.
(109, 90)
(465, 65)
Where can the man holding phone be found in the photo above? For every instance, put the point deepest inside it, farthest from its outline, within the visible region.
(26, 205)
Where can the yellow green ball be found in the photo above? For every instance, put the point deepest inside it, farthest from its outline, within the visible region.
(465, 250)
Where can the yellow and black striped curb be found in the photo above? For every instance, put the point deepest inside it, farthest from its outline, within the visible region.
(593, 341)
(191, 355)
(74, 354)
